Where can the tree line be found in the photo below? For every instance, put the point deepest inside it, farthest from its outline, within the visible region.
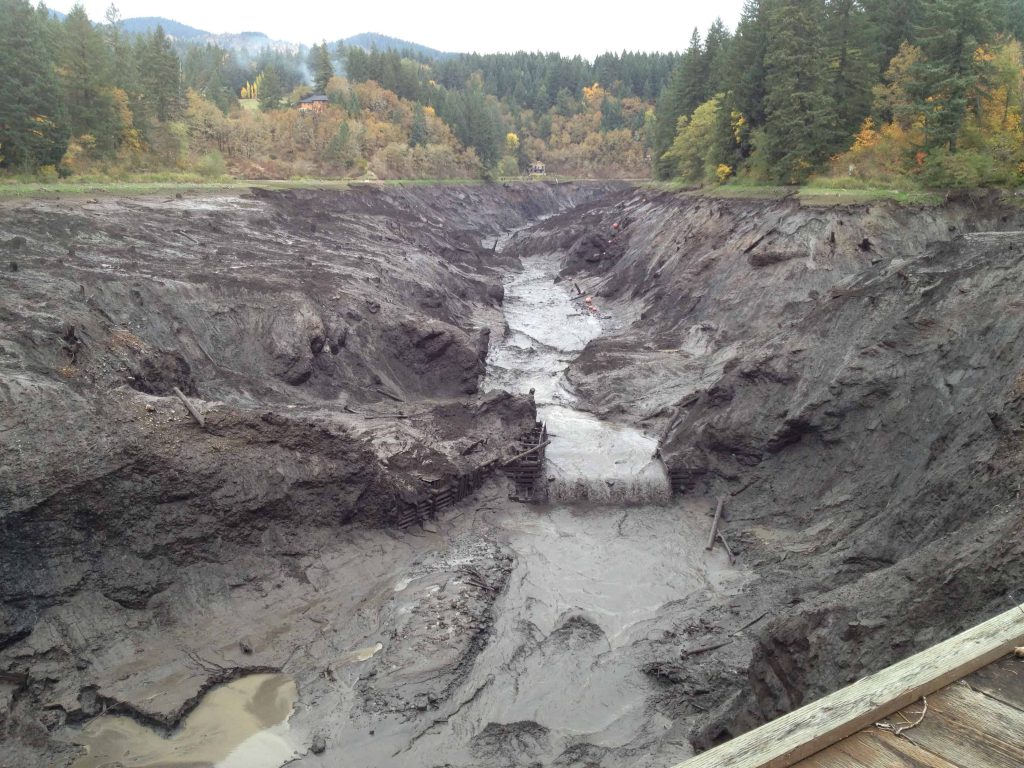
(927, 90)
(79, 98)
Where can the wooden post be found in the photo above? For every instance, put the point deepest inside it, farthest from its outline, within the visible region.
(714, 525)
(189, 407)
(728, 549)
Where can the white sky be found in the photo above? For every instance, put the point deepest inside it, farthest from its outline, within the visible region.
(573, 27)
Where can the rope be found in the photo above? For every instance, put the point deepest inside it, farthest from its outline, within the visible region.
(896, 730)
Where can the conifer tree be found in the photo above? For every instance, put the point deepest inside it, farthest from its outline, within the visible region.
(800, 114)
(32, 127)
(86, 75)
(270, 88)
(852, 68)
(159, 77)
(418, 131)
(947, 73)
(321, 67)
(746, 64)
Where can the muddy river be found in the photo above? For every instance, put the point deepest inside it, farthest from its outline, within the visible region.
(588, 459)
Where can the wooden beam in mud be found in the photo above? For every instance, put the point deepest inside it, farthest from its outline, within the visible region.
(810, 729)
(190, 408)
(714, 525)
(728, 549)
(526, 453)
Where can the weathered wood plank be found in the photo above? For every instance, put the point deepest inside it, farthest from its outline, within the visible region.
(1003, 680)
(835, 757)
(875, 749)
(802, 733)
(968, 728)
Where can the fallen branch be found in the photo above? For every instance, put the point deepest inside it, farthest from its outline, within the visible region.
(189, 407)
(705, 648)
(750, 623)
(205, 665)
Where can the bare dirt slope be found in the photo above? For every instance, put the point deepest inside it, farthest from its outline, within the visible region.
(851, 377)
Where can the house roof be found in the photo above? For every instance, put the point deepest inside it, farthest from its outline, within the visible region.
(314, 97)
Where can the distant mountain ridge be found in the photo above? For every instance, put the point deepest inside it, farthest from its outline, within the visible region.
(142, 25)
(368, 40)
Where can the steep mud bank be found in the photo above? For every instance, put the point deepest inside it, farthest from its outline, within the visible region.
(852, 378)
(335, 344)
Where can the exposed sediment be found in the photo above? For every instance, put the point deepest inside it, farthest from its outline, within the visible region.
(335, 344)
(849, 376)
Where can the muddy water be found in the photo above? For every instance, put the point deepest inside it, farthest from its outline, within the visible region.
(588, 459)
(242, 724)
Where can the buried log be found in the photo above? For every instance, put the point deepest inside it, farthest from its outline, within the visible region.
(526, 453)
(200, 420)
(714, 525)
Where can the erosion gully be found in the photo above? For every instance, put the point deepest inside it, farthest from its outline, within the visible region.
(559, 675)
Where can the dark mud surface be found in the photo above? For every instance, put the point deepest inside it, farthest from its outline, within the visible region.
(850, 377)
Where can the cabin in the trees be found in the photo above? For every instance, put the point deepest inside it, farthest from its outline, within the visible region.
(537, 169)
(315, 103)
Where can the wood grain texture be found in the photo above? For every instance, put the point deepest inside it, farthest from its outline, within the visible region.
(1002, 680)
(874, 748)
(971, 729)
(812, 728)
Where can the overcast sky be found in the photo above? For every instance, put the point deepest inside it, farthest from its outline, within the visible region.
(585, 28)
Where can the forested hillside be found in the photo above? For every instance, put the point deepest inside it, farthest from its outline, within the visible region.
(920, 91)
(896, 92)
(83, 99)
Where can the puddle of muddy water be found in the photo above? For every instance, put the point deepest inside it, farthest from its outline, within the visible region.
(242, 724)
(590, 460)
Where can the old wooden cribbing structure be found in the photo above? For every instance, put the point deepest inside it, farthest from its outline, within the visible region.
(526, 468)
(679, 478)
(443, 495)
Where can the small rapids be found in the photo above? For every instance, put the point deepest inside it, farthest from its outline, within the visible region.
(641, 491)
(589, 460)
